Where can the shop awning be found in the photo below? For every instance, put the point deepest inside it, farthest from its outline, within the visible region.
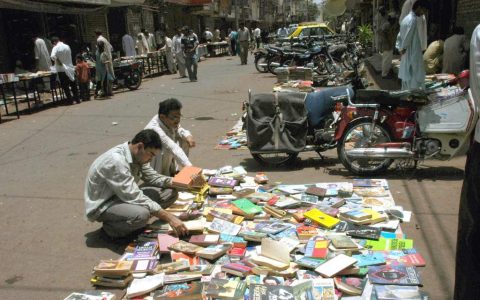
(189, 2)
(44, 7)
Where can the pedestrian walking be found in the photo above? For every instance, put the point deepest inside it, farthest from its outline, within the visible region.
(455, 51)
(257, 32)
(409, 44)
(62, 56)
(178, 51)
(233, 35)
(42, 59)
(467, 282)
(244, 41)
(141, 44)
(190, 44)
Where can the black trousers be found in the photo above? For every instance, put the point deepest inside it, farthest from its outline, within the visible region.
(84, 90)
(68, 87)
(467, 281)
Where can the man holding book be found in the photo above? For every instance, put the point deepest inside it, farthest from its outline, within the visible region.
(113, 196)
(176, 141)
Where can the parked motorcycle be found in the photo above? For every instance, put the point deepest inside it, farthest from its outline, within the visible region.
(405, 125)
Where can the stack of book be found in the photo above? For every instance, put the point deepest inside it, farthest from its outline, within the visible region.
(328, 240)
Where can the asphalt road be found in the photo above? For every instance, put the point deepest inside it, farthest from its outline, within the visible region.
(47, 247)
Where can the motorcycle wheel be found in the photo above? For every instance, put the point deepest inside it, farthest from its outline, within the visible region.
(359, 135)
(134, 80)
(273, 59)
(261, 60)
(274, 159)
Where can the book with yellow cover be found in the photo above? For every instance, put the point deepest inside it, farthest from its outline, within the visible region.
(321, 218)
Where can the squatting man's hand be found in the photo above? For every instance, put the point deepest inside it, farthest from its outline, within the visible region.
(177, 225)
(191, 141)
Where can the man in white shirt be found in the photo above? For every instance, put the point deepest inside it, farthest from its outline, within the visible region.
(257, 35)
(128, 45)
(208, 35)
(467, 282)
(176, 141)
(62, 56)
(177, 49)
(113, 196)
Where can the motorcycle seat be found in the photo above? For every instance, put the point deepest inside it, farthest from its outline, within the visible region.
(390, 98)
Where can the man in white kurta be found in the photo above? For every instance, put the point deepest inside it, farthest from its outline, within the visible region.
(421, 24)
(42, 59)
(128, 45)
(169, 55)
(412, 69)
(176, 141)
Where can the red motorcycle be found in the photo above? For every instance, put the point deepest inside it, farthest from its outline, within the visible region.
(402, 125)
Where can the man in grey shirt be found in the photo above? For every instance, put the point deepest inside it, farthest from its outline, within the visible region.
(113, 196)
(244, 41)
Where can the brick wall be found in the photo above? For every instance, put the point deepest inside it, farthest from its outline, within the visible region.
(468, 15)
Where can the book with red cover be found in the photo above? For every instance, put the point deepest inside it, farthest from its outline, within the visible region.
(204, 239)
(237, 252)
(184, 177)
(177, 256)
(164, 241)
(317, 248)
(237, 269)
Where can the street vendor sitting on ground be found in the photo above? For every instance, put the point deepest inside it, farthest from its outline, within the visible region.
(176, 141)
(113, 196)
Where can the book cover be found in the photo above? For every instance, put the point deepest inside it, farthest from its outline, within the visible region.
(144, 265)
(225, 289)
(222, 182)
(321, 218)
(247, 206)
(140, 286)
(394, 275)
(202, 269)
(91, 295)
(358, 231)
(272, 228)
(237, 241)
(389, 244)
(253, 236)
(222, 226)
(270, 292)
(173, 267)
(356, 214)
(182, 291)
(113, 268)
(214, 251)
(214, 213)
(309, 199)
(309, 262)
(370, 182)
(415, 260)
(165, 240)
(334, 202)
(204, 239)
(237, 269)
(179, 256)
(147, 249)
(323, 288)
(316, 191)
(335, 265)
(369, 259)
(317, 248)
(214, 191)
(184, 177)
(237, 252)
(350, 285)
(395, 292)
(306, 232)
(185, 247)
(341, 241)
(178, 278)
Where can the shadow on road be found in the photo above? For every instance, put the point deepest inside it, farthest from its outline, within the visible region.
(98, 239)
(252, 165)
